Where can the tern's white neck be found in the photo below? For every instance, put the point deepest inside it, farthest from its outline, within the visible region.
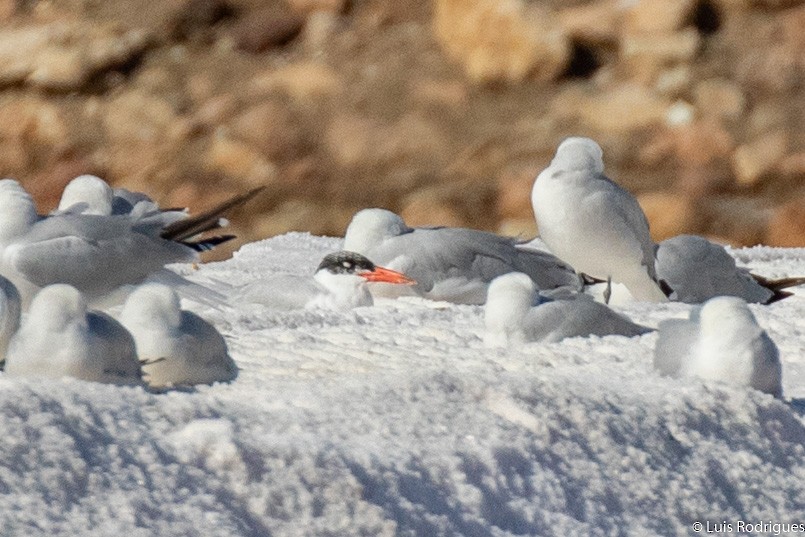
(344, 291)
(17, 210)
(578, 154)
(370, 227)
(508, 300)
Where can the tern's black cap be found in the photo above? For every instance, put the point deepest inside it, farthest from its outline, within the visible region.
(345, 262)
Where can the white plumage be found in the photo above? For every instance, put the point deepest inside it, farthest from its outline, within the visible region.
(97, 254)
(339, 283)
(176, 347)
(592, 223)
(720, 341)
(60, 338)
(453, 264)
(513, 314)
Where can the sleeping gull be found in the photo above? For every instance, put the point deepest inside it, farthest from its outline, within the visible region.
(513, 314)
(176, 347)
(97, 254)
(592, 223)
(448, 263)
(697, 270)
(340, 283)
(60, 338)
(720, 341)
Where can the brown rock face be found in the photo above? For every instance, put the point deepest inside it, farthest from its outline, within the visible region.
(445, 109)
(670, 214)
(64, 57)
(500, 40)
(787, 225)
(751, 161)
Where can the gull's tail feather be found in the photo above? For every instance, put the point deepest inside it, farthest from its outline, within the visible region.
(208, 220)
(779, 286)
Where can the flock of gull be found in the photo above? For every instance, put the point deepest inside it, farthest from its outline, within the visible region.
(85, 292)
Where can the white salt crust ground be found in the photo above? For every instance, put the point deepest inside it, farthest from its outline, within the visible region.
(396, 420)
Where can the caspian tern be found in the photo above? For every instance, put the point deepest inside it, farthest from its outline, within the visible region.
(97, 254)
(340, 282)
(176, 347)
(452, 264)
(592, 223)
(514, 314)
(720, 341)
(60, 338)
(698, 270)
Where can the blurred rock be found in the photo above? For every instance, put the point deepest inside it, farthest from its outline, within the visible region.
(514, 186)
(787, 225)
(429, 207)
(14, 161)
(754, 159)
(744, 221)
(674, 81)
(657, 16)
(595, 22)
(33, 119)
(312, 6)
(303, 81)
(192, 17)
(318, 30)
(793, 166)
(64, 57)
(138, 117)
(625, 108)
(296, 215)
(441, 93)
(270, 127)
(264, 28)
(501, 40)
(720, 98)
(702, 143)
(239, 161)
(670, 214)
(350, 138)
(646, 55)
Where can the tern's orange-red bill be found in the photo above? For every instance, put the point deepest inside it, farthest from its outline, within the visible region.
(381, 274)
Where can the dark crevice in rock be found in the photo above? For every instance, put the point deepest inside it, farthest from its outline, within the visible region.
(706, 17)
(584, 62)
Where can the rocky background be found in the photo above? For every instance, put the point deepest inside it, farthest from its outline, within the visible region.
(443, 110)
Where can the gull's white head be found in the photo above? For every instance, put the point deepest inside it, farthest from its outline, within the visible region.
(152, 304)
(508, 300)
(726, 315)
(17, 209)
(56, 307)
(90, 190)
(579, 154)
(370, 227)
